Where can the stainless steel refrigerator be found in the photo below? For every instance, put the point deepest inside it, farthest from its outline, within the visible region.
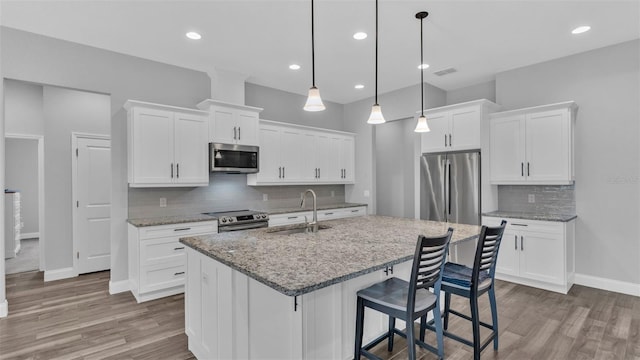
(450, 187)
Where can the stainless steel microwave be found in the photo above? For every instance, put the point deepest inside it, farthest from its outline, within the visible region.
(230, 158)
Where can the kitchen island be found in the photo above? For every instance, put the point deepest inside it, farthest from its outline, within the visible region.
(264, 293)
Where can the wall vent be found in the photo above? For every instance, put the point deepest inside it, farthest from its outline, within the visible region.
(445, 71)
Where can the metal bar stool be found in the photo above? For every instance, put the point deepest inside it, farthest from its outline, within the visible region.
(408, 301)
(471, 283)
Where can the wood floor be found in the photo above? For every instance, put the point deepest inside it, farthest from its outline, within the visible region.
(78, 319)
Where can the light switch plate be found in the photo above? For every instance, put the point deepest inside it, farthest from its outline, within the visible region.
(366, 193)
(163, 202)
(532, 198)
(265, 197)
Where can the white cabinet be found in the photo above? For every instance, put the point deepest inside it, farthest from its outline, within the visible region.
(157, 258)
(536, 253)
(456, 127)
(167, 146)
(12, 224)
(232, 123)
(326, 214)
(533, 145)
(295, 155)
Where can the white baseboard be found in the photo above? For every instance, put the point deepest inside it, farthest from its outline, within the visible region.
(59, 274)
(116, 287)
(32, 235)
(608, 284)
(4, 309)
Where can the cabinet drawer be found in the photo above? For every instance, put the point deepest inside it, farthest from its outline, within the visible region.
(355, 211)
(290, 218)
(329, 214)
(161, 277)
(179, 230)
(163, 250)
(522, 225)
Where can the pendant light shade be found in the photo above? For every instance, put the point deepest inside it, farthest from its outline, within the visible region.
(314, 102)
(376, 112)
(422, 125)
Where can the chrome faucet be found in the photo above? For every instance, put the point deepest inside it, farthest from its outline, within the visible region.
(313, 225)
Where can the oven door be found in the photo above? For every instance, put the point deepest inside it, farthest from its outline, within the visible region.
(231, 158)
(255, 225)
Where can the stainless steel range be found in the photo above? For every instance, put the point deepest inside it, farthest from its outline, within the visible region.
(240, 220)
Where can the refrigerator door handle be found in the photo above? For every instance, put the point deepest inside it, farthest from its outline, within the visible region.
(449, 184)
(445, 164)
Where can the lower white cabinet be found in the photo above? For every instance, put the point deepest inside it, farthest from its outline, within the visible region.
(536, 253)
(231, 316)
(157, 259)
(327, 214)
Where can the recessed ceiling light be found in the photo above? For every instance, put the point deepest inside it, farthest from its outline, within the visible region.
(581, 29)
(423, 66)
(193, 35)
(359, 86)
(294, 67)
(360, 35)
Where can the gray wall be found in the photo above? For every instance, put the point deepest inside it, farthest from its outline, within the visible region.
(605, 83)
(398, 104)
(44, 60)
(474, 92)
(23, 108)
(66, 111)
(287, 107)
(21, 172)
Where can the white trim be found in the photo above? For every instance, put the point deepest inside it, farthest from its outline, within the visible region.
(59, 274)
(74, 196)
(618, 286)
(4, 309)
(116, 287)
(41, 236)
(32, 235)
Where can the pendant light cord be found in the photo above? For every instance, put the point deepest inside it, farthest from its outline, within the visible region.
(376, 86)
(313, 47)
(421, 71)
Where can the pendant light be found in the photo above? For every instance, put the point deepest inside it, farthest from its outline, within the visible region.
(376, 113)
(422, 125)
(314, 102)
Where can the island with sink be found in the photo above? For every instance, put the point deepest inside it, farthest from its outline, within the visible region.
(287, 292)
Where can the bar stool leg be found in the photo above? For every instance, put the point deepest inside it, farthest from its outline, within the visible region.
(359, 328)
(447, 305)
(475, 321)
(392, 325)
(411, 340)
(423, 326)
(494, 317)
(437, 319)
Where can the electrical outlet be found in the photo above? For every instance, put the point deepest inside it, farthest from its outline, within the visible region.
(366, 193)
(333, 193)
(532, 198)
(163, 202)
(265, 197)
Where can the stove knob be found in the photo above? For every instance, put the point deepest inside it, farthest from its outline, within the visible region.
(264, 216)
(224, 220)
(231, 219)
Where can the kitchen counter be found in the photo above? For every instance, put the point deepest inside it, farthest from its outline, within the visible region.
(168, 220)
(532, 216)
(297, 264)
(310, 208)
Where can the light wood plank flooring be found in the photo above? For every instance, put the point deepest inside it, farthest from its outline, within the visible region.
(78, 319)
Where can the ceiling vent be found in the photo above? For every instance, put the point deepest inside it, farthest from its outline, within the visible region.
(445, 71)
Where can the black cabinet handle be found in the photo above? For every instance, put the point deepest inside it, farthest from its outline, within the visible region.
(182, 229)
(516, 224)
(239, 133)
(283, 176)
(292, 217)
(449, 139)
(445, 140)
(234, 133)
(521, 169)
(515, 241)
(178, 248)
(521, 242)
(279, 172)
(179, 273)
(178, 171)
(528, 169)
(172, 170)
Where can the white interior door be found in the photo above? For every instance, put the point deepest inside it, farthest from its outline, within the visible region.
(93, 204)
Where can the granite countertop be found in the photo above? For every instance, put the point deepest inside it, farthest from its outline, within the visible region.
(309, 207)
(532, 216)
(168, 220)
(301, 263)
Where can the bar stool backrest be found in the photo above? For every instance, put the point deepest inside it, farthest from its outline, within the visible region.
(487, 252)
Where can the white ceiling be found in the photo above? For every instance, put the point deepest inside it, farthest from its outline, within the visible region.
(261, 38)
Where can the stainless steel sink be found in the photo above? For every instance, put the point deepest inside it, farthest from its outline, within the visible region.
(300, 229)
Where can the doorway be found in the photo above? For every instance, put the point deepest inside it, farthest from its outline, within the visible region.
(24, 165)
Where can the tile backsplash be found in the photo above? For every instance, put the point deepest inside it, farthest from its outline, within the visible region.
(549, 199)
(225, 192)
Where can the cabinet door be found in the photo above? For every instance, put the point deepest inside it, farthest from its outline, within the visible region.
(507, 150)
(323, 154)
(191, 149)
(508, 255)
(247, 122)
(465, 129)
(347, 159)
(152, 145)
(309, 154)
(291, 139)
(548, 148)
(333, 161)
(222, 125)
(542, 257)
(270, 165)
(438, 138)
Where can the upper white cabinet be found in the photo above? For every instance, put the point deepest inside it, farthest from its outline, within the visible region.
(231, 123)
(293, 154)
(167, 145)
(456, 127)
(533, 145)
